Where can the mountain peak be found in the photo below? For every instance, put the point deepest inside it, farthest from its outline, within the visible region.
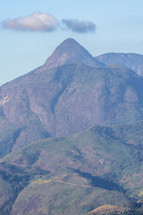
(68, 52)
(69, 41)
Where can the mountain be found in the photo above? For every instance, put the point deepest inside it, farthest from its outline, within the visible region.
(68, 52)
(131, 60)
(91, 172)
(63, 100)
(97, 167)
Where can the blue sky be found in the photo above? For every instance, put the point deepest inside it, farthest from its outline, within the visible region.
(101, 26)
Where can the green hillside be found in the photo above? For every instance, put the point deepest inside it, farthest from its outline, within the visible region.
(98, 168)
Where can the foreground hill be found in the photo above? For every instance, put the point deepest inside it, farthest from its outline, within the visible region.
(131, 60)
(65, 99)
(92, 172)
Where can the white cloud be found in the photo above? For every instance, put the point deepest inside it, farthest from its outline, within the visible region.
(34, 22)
(45, 22)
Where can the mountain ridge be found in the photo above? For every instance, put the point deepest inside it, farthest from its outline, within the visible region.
(131, 60)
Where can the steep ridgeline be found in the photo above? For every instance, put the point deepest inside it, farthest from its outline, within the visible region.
(57, 100)
(131, 60)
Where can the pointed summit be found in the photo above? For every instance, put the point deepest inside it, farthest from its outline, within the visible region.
(68, 52)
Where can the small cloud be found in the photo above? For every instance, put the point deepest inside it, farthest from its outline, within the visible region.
(79, 26)
(34, 22)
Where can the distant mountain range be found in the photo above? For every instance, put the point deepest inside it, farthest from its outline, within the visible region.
(130, 60)
(98, 168)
